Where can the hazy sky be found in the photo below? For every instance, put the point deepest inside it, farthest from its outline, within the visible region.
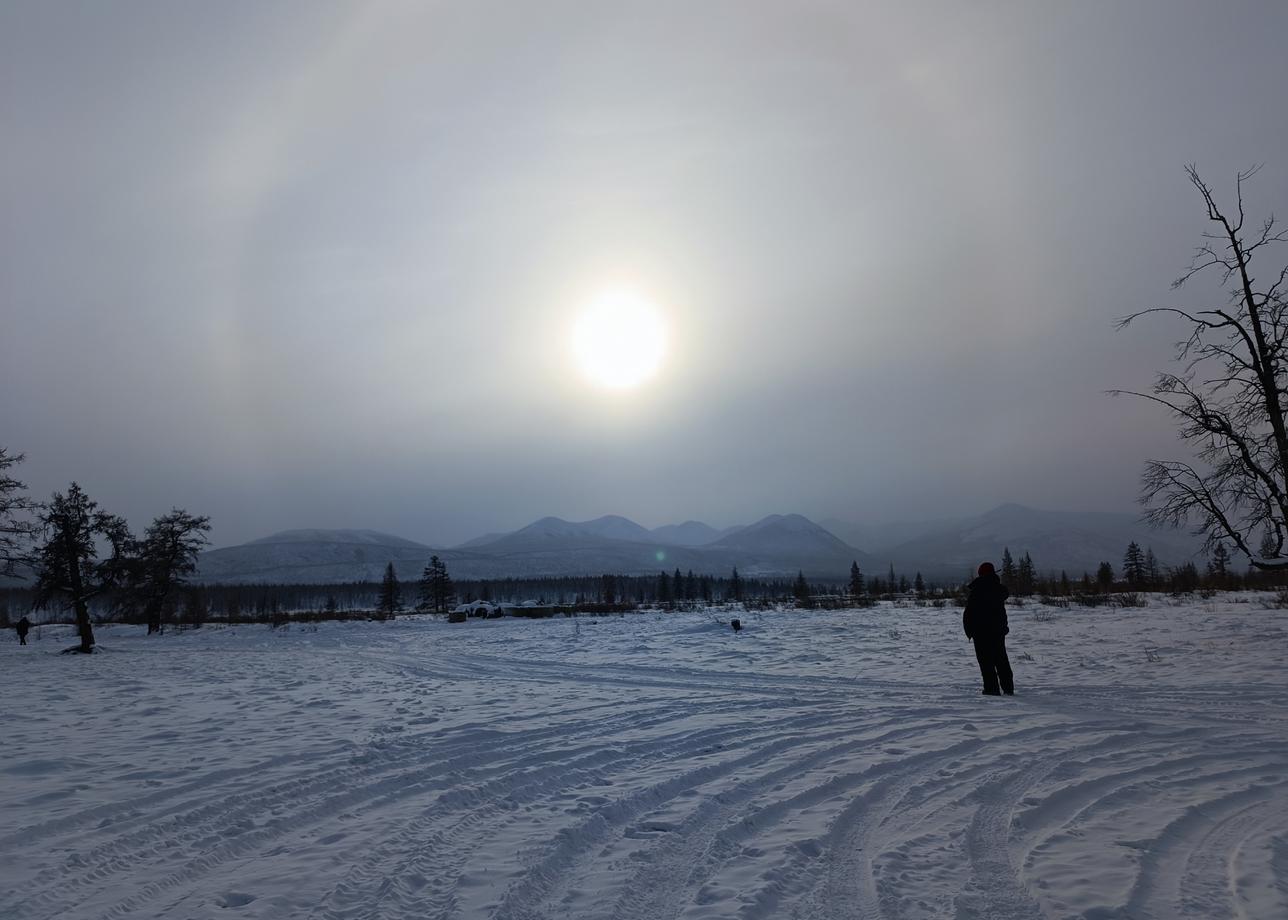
(314, 265)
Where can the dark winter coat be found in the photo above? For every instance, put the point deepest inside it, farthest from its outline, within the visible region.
(23, 626)
(985, 613)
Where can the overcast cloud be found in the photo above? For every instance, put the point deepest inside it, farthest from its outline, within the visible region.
(311, 264)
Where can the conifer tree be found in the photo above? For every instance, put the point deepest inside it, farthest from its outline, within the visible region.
(67, 563)
(856, 580)
(1134, 565)
(1008, 566)
(800, 590)
(1219, 564)
(1064, 583)
(1105, 576)
(919, 585)
(16, 528)
(1186, 577)
(389, 601)
(162, 561)
(663, 588)
(1153, 574)
(1025, 576)
(735, 585)
(436, 588)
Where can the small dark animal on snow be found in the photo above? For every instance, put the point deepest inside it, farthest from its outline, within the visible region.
(736, 624)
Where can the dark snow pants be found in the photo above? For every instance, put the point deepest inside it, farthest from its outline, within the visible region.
(990, 651)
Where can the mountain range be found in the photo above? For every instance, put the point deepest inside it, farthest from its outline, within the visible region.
(774, 546)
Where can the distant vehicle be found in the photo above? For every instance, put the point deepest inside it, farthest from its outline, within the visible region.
(482, 609)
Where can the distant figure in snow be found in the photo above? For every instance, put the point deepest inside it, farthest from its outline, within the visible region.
(736, 624)
(23, 626)
(984, 620)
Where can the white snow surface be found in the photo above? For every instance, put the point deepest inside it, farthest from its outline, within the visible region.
(817, 765)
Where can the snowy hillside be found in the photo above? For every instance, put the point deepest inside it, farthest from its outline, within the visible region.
(1071, 540)
(817, 765)
(776, 546)
(690, 533)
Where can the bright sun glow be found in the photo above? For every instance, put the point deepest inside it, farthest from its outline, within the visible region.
(619, 339)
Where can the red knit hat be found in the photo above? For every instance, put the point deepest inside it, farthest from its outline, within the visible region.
(986, 568)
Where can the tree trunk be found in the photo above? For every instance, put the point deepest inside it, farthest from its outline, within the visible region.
(83, 626)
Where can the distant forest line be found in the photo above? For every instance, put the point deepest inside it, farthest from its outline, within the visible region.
(196, 604)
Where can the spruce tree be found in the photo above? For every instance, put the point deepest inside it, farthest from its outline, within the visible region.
(1025, 576)
(1134, 565)
(1105, 576)
(389, 601)
(800, 590)
(919, 585)
(436, 588)
(735, 585)
(663, 588)
(1008, 566)
(856, 580)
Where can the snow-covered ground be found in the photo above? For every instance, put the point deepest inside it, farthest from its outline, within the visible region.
(818, 765)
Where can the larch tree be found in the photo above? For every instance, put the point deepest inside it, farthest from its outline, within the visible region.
(1153, 571)
(163, 560)
(67, 561)
(17, 526)
(1229, 393)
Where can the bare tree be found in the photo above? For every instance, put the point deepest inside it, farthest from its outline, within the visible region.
(16, 528)
(1229, 394)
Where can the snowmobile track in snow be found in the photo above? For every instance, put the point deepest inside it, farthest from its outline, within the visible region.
(821, 766)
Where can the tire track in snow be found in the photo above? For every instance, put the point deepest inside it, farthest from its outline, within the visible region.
(403, 765)
(409, 850)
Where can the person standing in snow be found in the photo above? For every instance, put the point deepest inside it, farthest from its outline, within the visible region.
(984, 620)
(23, 626)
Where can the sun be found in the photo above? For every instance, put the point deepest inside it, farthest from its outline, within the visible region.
(619, 339)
